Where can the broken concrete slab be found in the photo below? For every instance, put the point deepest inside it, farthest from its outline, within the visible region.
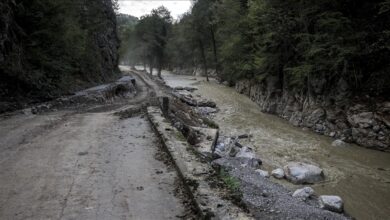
(206, 138)
(193, 172)
(124, 87)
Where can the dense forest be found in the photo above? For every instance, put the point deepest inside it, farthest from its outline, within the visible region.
(52, 47)
(296, 42)
(319, 64)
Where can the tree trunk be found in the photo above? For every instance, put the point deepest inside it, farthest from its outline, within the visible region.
(159, 71)
(159, 65)
(215, 50)
(204, 59)
(151, 68)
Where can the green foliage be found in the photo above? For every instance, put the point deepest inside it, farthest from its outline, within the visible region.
(179, 136)
(231, 182)
(210, 123)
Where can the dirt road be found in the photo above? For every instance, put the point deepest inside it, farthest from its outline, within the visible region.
(85, 165)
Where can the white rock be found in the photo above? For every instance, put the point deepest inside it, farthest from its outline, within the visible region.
(331, 203)
(299, 173)
(278, 173)
(303, 193)
(262, 173)
(338, 143)
(223, 146)
(246, 152)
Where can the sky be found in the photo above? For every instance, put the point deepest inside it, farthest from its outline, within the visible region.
(141, 7)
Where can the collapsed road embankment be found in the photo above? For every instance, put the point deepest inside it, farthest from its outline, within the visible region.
(185, 128)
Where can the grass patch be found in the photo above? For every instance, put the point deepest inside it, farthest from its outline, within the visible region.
(180, 136)
(231, 182)
(210, 123)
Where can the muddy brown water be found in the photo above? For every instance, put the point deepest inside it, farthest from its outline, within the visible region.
(360, 176)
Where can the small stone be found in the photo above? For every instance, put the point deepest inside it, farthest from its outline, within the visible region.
(243, 136)
(233, 151)
(331, 203)
(262, 173)
(83, 153)
(265, 194)
(338, 143)
(278, 173)
(250, 162)
(303, 193)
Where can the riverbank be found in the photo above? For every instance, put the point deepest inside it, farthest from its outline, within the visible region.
(361, 120)
(360, 176)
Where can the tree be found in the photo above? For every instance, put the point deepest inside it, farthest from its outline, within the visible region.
(152, 31)
(204, 31)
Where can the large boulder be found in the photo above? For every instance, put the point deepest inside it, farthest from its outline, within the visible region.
(331, 203)
(299, 173)
(362, 120)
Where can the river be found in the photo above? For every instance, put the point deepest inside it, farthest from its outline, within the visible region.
(360, 176)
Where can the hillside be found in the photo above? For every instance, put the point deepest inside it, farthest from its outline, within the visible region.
(53, 47)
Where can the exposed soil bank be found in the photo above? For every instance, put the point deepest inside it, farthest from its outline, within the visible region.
(359, 175)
